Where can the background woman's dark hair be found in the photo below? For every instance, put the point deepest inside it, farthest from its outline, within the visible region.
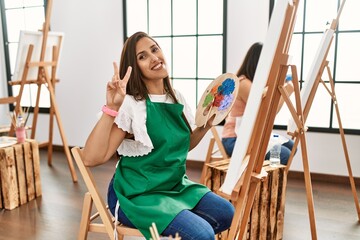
(136, 86)
(249, 65)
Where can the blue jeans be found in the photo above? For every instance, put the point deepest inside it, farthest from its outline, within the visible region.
(229, 144)
(213, 214)
(286, 148)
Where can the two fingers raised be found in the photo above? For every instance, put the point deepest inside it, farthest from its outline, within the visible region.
(116, 76)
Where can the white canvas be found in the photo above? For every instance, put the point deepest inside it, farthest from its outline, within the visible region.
(35, 38)
(237, 164)
(313, 73)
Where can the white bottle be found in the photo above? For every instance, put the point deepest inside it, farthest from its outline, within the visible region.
(275, 151)
(19, 121)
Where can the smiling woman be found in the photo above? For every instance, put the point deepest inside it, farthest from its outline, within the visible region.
(150, 178)
(151, 63)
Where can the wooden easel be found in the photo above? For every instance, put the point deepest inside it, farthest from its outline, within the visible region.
(300, 115)
(342, 134)
(244, 191)
(300, 119)
(299, 136)
(49, 80)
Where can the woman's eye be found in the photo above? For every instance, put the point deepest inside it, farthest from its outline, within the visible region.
(155, 49)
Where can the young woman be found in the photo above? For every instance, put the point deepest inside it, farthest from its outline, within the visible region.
(148, 123)
(246, 75)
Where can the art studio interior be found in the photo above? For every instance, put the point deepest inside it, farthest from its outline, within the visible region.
(61, 62)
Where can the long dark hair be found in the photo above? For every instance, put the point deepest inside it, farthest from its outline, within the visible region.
(136, 86)
(249, 65)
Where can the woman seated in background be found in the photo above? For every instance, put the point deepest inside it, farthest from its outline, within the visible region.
(245, 75)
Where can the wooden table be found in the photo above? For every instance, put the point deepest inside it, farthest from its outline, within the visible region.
(266, 221)
(19, 174)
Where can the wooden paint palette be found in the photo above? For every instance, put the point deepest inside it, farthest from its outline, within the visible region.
(217, 99)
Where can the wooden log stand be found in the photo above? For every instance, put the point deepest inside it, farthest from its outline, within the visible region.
(19, 174)
(266, 220)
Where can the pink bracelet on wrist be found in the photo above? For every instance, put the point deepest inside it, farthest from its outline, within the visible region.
(109, 111)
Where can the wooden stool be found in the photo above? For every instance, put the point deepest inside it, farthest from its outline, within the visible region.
(19, 174)
(92, 197)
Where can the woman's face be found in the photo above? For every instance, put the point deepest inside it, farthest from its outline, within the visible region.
(150, 60)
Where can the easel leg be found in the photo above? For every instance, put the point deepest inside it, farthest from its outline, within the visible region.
(36, 112)
(85, 217)
(299, 119)
(238, 217)
(308, 186)
(348, 164)
(66, 146)
(342, 133)
(54, 111)
(51, 128)
(296, 143)
(205, 169)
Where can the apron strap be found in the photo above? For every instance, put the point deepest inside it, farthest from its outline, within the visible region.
(116, 219)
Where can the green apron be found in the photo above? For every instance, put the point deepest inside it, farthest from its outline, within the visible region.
(154, 187)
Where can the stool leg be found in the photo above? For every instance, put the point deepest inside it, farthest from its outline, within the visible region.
(85, 217)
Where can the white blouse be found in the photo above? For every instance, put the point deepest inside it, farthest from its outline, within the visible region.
(132, 119)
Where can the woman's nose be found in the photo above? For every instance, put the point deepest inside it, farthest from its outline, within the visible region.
(154, 58)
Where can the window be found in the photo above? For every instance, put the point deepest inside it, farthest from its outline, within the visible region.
(19, 15)
(191, 33)
(342, 57)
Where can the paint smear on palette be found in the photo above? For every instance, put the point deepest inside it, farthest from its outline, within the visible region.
(217, 99)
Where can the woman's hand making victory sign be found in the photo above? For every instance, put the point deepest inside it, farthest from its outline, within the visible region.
(116, 88)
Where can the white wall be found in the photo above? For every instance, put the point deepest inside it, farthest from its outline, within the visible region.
(93, 39)
(326, 154)
(244, 29)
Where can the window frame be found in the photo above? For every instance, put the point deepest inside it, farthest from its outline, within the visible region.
(7, 66)
(197, 35)
(333, 67)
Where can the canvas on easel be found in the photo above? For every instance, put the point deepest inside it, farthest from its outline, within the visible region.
(245, 169)
(35, 38)
(39, 66)
(33, 90)
(54, 39)
(309, 88)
